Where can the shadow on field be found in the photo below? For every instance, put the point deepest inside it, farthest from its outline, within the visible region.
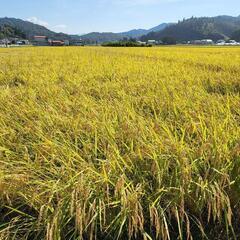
(23, 223)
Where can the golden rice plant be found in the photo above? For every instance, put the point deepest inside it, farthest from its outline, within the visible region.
(110, 143)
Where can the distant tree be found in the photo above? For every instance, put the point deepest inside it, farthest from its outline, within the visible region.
(169, 40)
(214, 28)
(132, 40)
(236, 35)
(7, 31)
(124, 44)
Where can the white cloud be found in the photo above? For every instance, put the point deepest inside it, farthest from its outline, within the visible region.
(60, 26)
(38, 21)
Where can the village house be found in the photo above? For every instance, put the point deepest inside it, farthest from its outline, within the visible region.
(76, 42)
(40, 41)
(152, 42)
(201, 42)
(56, 43)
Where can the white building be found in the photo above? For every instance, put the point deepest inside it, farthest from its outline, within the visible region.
(201, 42)
(141, 43)
(232, 43)
(66, 42)
(221, 42)
(76, 42)
(207, 42)
(152, 42)
(5, 42)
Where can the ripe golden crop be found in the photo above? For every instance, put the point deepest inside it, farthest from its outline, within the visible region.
(118, 143)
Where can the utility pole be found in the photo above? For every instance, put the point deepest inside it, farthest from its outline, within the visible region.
(5, 36)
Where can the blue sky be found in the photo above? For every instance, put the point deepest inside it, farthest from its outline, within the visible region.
(82, 16)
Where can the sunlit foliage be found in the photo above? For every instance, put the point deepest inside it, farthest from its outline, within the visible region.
(119, 143)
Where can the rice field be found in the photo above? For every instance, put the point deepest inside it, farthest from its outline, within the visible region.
(119, 143)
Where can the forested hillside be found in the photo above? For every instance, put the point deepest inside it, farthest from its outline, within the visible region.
(199, 28)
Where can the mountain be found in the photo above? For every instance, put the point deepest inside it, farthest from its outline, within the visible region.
(136, 33)
(30, 29)
(10, 32)
(101, 37)
(236, 35)
(160, 27)
(220, 27)
(215, 28)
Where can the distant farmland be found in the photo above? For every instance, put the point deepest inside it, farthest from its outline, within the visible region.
(118, 143)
